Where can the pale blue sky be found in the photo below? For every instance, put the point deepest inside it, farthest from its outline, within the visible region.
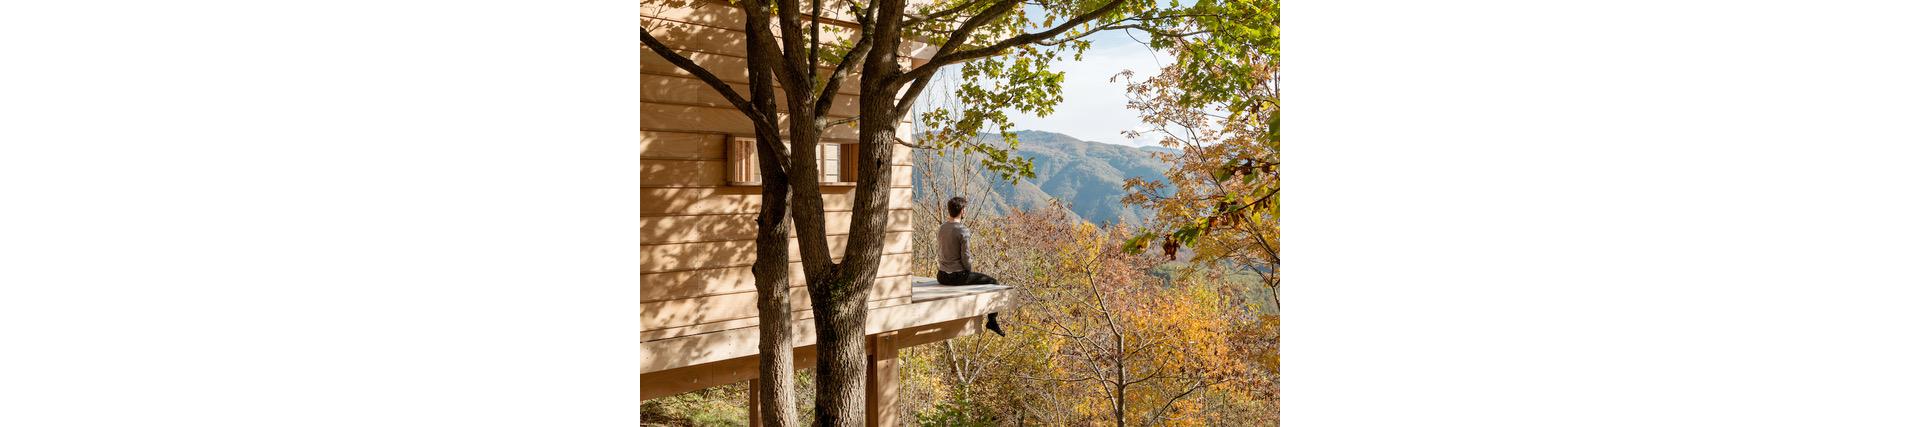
(1092, 107)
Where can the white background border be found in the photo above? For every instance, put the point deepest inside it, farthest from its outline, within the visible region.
(332, 213)
(1522, 213)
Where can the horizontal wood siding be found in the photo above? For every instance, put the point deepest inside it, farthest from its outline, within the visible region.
(739, 200)
(726, 253)
(740, 305)
(718, 13)
(658, 230)
(730, 69)
(729, 272)
(670, 145)
(693, 118)
(696, 232)
(691, 91)
(713, 173)
(675, 21)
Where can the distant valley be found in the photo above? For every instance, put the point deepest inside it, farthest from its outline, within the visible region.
(1086, 176)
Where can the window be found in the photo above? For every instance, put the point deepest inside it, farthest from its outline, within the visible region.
(743, 162)
(829, 161)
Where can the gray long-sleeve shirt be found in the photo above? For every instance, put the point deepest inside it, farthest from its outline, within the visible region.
(953, 247)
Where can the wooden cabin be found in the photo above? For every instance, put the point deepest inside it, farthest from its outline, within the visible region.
(698, 198)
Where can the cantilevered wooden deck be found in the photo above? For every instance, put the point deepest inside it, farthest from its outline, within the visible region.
(926, 289)
(935, 312)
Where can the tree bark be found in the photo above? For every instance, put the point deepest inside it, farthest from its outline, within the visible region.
(770, 277)
(839, 290)
(770, 272)
(842, 369)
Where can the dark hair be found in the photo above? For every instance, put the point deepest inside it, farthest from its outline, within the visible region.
(955, 205)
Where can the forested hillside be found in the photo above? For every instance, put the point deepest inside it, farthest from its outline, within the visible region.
(1087, 176)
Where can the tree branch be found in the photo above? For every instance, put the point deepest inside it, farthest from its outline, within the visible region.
(1148, 30)
(897, 140)
(917, 20)
(831, 89)
(813, 50)
(958, 37)
(791, 37)
(940, 60)
(838, 122)
(1197, 385)
(782, 60)
(725, 90)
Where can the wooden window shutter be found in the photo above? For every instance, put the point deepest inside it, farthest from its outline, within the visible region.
(849, 161)
(743, 162)
(836, 161)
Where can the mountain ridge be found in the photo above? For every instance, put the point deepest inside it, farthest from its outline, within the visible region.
(1087, 176)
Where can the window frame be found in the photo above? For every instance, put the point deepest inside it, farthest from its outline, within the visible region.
(743, 157)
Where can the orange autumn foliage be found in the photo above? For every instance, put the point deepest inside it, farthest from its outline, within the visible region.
(1100, 336)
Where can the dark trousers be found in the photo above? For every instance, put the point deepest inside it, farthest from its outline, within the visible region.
(965, 278)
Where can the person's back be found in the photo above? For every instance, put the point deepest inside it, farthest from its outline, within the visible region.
(956, 266)
(952, 240)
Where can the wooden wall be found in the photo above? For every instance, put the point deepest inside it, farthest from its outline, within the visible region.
(696, 232)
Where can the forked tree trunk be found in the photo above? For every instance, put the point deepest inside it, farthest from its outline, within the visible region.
(840, 290)
(843, 293)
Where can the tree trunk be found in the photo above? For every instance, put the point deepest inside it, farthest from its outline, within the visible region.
(1120, 380)
(841, 326)
(770, 279)
(770, 272)
(840, 291)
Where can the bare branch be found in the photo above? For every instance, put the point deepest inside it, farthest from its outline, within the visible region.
(1066, 380)
(1148, 30)
(897, 140)
(1197, 385)
(838, 122)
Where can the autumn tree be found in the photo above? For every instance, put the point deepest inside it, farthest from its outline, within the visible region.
(1105, 340)
(1006, 44)
(1218, 103)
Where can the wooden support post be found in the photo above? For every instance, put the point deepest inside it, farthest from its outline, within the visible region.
(753, 403)
(883, 382)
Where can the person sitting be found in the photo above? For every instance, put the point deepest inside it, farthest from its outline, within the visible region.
(956, 267)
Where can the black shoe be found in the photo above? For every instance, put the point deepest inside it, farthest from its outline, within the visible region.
(993, 323)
